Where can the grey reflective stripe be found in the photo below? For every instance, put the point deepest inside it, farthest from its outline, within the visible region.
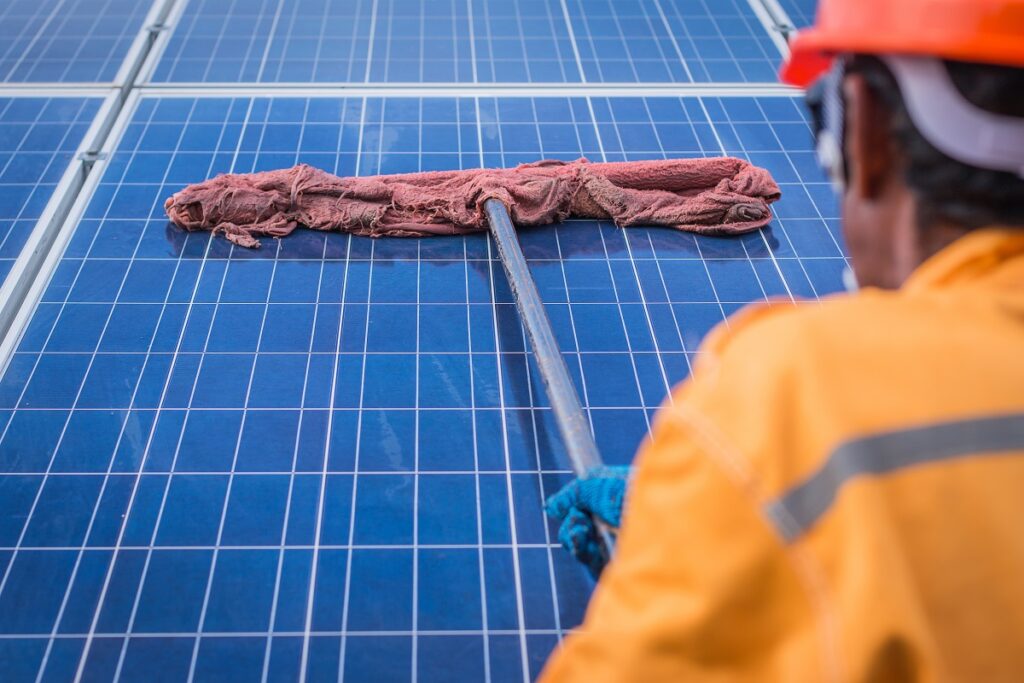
(803, 505)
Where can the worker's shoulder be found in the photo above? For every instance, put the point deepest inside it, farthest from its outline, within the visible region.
(774, 362)
(786, 333)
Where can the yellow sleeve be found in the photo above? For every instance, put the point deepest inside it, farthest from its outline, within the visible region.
(701, 587)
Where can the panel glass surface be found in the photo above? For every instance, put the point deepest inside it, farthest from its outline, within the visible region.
(67, 41)
(469, 41)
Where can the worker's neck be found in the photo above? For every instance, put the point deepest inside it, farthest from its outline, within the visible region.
(926, 240)
(913, 241)
(937, 237)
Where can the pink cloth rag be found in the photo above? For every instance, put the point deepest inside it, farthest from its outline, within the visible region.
(718, 196)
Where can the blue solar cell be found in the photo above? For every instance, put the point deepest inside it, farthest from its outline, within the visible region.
(147, 660)
(242, 591)
(171, 594)
(334, 450)
(38, 139)
(223, 659)
(480, 41)
(67, 40)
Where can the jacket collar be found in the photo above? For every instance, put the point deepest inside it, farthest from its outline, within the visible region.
(979, 255)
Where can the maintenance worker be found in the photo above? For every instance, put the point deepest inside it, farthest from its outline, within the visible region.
(837, 494)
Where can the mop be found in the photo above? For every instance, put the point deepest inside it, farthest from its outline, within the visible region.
(719, 195)
(716, 196)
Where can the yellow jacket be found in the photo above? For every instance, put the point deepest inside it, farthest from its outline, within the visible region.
(836, 495)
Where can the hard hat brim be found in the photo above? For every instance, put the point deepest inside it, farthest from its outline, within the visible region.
(809, 59)
(813, 49)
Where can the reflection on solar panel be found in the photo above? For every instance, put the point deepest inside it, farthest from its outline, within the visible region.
(38, 138)
(66, 40)
(329, 455)
(476, 41)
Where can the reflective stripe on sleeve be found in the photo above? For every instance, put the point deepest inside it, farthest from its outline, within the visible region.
(802, 506)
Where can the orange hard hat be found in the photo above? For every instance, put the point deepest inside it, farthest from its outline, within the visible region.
(984, 31)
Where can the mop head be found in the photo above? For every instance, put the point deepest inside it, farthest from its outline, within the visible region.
(719, 196)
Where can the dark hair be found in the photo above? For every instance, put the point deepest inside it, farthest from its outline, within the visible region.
(947, 189)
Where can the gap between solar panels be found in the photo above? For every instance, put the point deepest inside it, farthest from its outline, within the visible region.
(776, 21)
(534, 90)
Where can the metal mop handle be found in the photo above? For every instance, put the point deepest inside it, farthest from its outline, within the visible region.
(572, 423)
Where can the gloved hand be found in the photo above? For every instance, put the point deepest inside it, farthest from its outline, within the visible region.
(599, 494)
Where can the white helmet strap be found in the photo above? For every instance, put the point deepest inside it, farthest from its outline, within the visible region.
(953, 125)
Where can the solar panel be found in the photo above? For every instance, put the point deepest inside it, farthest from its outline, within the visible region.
(329, 455)
(65, 41)
(479, 41)
(38, 139)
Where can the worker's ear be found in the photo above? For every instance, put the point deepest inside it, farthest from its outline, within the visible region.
(869, 151)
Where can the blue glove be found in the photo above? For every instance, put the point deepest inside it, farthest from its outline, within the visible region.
(599, 494)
